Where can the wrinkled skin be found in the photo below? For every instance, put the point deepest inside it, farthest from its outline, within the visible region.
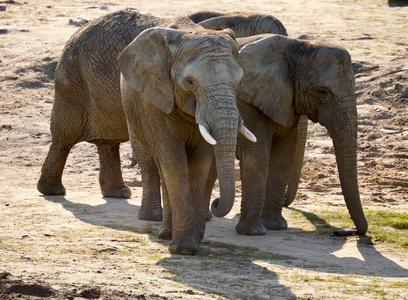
(172, 81)
(244, 25)
(88, 107)
(87, 104)
(285, 79)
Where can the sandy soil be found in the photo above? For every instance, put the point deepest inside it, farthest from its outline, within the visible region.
(85, 246)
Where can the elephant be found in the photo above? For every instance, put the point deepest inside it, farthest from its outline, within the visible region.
(178, 87)
(284, 79)
(243, 25)
(87, 104)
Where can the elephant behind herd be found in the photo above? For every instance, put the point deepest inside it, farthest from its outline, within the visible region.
(181, 90)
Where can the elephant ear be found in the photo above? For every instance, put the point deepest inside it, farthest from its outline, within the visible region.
(145, 65)
(267, 82)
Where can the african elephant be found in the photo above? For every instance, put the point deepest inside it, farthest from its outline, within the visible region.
(88, 105)
(174, 86)
(286, 78)
(243, 24)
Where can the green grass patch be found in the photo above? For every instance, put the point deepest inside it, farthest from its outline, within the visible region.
(384, 227)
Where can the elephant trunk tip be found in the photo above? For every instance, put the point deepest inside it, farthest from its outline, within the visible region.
(217, 210)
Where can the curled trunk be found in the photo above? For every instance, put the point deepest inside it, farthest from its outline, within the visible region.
(222, 122)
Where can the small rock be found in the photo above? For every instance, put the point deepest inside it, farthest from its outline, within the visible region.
(23, 30)
(8, 127)
(103, 7)
(3, 7)
(3, 30)
(131, 9)
(78, 22)
(90, 7)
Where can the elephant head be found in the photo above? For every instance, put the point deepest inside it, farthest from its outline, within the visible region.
(286, 77)
(242, 24)
(194, 75)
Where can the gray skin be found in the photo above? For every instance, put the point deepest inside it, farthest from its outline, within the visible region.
(244, 25)
(173, 82)
(88, 105)
(284, 79)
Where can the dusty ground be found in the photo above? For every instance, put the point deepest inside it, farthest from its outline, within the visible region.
(83, 245)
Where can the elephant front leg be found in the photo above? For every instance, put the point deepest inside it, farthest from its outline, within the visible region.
(185, 236)
(280, 165)
(110, 174)
(202, 175)
(254, 170)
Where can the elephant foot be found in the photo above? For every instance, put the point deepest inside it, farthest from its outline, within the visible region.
(122, 192)
(184, 246)
(250, 227)
(48, 187)
(165, 233)
(274, 221)
(150, 214)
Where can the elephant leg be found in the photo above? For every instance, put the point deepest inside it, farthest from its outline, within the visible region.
(51, 173)
(280, 165)
(212, 177)
(174, 170)
(294, 178)
(110, 174)
(254, 169)
(202, 175)
(166, 228)
(151, 200)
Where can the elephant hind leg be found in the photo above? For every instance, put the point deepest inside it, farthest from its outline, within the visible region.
(110, 174)
(50, 182)
(151, 200)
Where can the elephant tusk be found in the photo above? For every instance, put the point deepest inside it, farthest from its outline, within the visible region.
(246, 133)
(206, 135)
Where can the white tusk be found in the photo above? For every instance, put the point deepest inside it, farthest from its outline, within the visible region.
(206, 135)
(246, 133)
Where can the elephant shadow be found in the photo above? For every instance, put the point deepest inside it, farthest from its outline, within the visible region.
(394, 3)
(230, 262)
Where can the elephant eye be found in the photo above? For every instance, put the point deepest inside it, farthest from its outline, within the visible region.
(189, 82)
(322, 93)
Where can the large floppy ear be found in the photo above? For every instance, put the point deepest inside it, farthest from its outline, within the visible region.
(145, 65)
(267, 82)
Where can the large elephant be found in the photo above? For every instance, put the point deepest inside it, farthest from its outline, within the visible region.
(174, 85)
(88, 105)
(243, 25)
(284, 79)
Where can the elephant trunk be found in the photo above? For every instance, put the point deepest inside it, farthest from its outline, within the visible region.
(344, 135)
(222, 123)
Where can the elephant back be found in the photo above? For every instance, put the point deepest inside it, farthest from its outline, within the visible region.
(243, 24)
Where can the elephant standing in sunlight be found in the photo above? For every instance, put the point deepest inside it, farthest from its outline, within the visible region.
(176, 85)
(243, 25)
(284, 79)
(189, 76)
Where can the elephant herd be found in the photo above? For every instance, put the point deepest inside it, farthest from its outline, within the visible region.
(192, 94)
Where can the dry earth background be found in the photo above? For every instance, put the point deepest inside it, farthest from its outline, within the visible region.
(84, 245)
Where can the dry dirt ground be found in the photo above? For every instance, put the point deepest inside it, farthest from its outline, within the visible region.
(85, 246)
